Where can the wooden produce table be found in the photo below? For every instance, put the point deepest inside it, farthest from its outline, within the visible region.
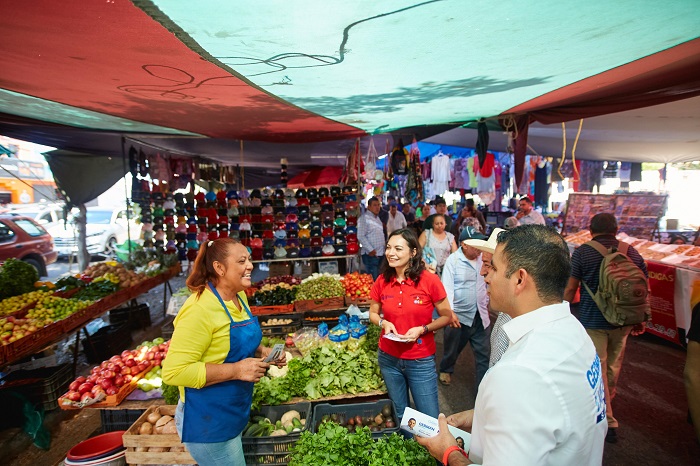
(58, 331)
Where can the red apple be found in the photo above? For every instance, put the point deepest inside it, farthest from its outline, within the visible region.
(97, 389)
(106, 383)
(111, 366)
(112, 390)
(126, 370)
(92, 378)
(119, 380)
(74, 385)
(80, 379)
(126, 354)
(73, 395)
(127, 378)
(114, 359)
(131, 362)
(95, 370)
(86, 396)
(85, 387)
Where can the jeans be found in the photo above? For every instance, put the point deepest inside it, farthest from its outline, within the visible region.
(610, 346)
(371, 264)
(455, 339)
(416, 375)
(229, 452)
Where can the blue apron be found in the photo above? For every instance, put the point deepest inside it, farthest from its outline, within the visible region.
(220, 412)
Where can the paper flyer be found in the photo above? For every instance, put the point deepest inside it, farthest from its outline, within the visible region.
(396, 337)
(423, 425)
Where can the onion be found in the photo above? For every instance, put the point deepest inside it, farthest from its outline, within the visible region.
(154, 416)
(169, 428)
(146, 428)
(162, 422)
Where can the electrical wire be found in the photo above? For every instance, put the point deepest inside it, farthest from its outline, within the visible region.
(29, 185)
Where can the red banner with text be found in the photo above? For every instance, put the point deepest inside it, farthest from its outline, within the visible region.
(662, 282)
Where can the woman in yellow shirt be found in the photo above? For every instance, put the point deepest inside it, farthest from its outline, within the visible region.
(215, 355)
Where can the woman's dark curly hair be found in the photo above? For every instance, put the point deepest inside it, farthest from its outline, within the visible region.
(415, 266)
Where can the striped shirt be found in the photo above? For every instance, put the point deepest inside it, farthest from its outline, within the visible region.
(499, 339)
(585, 266)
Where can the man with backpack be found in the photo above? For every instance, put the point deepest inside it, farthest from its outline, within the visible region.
(612, 278)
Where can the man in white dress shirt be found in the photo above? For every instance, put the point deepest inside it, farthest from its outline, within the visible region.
(395, 220)
(544, 402)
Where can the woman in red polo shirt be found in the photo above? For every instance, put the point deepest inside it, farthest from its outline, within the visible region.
(403, 298)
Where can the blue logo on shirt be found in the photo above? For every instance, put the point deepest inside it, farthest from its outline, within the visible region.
(594, 376)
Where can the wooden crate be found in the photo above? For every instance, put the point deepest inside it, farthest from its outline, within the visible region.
(269, 310)
(133, 440)
(319, 304)
(359, 302)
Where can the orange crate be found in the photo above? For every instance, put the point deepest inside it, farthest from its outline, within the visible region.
(268, 310)
(111, 400)
(319, 304)
(33, 342)
(360, 302)
(132, 440)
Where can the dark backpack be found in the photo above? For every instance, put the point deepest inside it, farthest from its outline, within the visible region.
(623, 289)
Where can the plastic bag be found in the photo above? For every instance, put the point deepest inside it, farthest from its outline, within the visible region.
(355, 328)
(340, 332)
(34, 423)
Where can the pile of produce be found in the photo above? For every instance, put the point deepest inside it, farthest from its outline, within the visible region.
(69, 283)
(96, 290)
(320, 286)
(334, 444)
(150, 262)
(273, 295)
(271, 322)
(329, 369)
(288, 279)
(15, 303)
(119, 371)
(115, 273)
(384, 419)
(50, 309)
(357, 285)
(17, 277)
(13, 329)
(260, 426)
(158, 424)
(155, 351)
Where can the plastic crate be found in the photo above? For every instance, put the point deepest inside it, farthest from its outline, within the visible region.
(119, 419)
(275, 450)
(42, 387)
(280, 330)
(345, 411)
(136, 317)
(107, 342)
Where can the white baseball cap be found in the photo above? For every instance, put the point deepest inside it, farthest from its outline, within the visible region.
(488, 245)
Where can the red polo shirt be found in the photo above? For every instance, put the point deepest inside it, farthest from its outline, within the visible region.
(408, 305)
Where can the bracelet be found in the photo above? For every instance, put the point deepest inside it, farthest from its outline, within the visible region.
(446, 456)
(381, 320)
(425, 330)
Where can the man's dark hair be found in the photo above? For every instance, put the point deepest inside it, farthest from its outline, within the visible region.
(526, 199)
(439, 200)
(416, 267)
(371, 200)
(603, 224)
(543, 253)
(469, 202)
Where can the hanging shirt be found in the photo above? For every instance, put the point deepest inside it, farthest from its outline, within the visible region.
(441, 174)
(471, 172)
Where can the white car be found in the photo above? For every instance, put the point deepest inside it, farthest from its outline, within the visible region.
(46, 215)
(105, 227)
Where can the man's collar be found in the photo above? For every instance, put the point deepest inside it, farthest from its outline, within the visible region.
(522, 325)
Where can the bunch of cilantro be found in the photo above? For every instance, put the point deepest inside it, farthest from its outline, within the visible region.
(334, 445)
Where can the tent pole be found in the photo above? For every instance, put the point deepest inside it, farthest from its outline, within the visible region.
(126, 199)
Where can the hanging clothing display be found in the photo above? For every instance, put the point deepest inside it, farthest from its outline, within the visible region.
(610, 170)
(414, 181)
(591, 175)
(440, 169)
(472, 173)
(486, 178)
(461, 177)
(624, 172)
(542, 185)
